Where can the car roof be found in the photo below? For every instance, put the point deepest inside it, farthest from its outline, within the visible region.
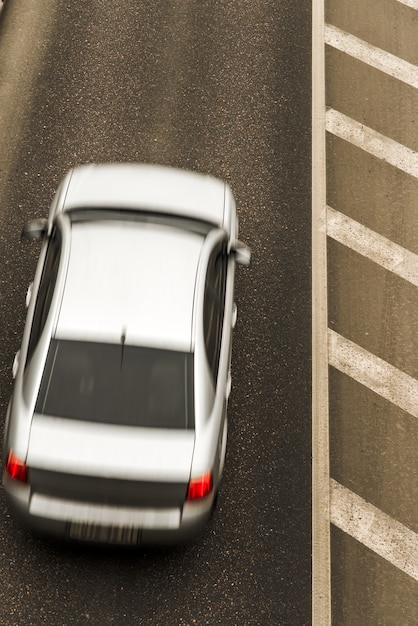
(132, 279)
(146, 187)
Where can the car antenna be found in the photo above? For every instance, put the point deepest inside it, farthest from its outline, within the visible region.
(122, 340)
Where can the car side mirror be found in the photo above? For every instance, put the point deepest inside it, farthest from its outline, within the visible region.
(242, 253)
(35, 229)
(15, 365)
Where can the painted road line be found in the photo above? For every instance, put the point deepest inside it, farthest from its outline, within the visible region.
(321, 555)
(378, 531)
(372, 142)
(369, 54)
(373, 246)
(412, 4)
(373, 372)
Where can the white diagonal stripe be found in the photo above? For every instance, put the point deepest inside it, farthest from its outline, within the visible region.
(371, 141)
(373, 372)
(369, 54)
(378, 531)
(412, 4)
(370, 244)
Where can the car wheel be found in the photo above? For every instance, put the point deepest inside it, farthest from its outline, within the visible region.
(214, 503)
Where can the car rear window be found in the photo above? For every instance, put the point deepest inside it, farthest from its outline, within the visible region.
(118, 384)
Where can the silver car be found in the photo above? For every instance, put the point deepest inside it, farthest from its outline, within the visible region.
(116, 430)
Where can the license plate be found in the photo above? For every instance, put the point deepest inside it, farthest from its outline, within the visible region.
(123, 535)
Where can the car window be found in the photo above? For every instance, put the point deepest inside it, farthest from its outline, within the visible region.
(214, 305)
(45, 291)
(147, 217)
(116, 384)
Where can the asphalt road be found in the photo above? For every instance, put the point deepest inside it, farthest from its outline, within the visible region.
(218, 87)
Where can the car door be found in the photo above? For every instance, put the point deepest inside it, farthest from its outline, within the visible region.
(45, 290)
(217, 342)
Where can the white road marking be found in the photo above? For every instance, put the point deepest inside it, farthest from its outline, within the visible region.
(353, 515)
(369, 54)
(321, 554)
(378, 531)
(372, 142)
(370, 244)
(373, 372)
(412, 4)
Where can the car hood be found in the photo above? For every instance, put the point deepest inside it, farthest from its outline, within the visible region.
(94, 449)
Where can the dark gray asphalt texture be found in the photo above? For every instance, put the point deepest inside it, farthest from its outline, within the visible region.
(220, 87)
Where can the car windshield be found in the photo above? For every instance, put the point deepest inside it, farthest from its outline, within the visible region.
(146, 217)
(118, 384)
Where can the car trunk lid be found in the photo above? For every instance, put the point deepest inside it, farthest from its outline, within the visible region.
(107, 450)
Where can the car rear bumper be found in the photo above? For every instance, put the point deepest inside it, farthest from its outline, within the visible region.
(109, 524)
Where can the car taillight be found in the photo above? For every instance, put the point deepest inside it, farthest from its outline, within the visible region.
(200, 487)
(17, 469)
